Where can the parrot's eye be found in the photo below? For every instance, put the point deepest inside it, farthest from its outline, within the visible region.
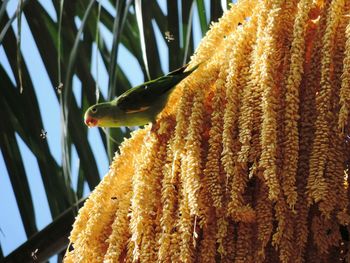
(93, 110)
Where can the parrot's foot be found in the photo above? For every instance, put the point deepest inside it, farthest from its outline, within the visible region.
(152, 131)
(154, 127)
(160, 129)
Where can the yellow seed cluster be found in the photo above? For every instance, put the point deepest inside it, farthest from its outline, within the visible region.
(249, 160)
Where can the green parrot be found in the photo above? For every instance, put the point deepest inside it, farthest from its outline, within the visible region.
(137, 106)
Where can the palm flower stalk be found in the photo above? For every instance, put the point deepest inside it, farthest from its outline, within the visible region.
(249, 160)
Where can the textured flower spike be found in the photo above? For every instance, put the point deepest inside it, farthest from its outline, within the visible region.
(291, 118)
(227, 23)
(270, 99)
(89, 230)
(249, 160)
(318, 159)
(345, 86)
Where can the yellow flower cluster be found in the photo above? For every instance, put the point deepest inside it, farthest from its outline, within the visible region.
(249, 160)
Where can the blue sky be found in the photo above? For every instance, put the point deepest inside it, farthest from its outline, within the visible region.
(12, 232)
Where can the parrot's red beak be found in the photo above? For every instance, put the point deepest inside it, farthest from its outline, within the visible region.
(90, 122)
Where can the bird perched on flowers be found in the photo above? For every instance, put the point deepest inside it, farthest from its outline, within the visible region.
(137, 106)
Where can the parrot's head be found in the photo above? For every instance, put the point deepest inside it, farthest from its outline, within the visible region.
(99, 115)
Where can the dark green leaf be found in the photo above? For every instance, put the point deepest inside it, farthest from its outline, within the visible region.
(173, 40)
(49, 241)
(187, 15)
(15, 167)
(59, 74)
(19, 58)
(1, 253)
(3, 8)
(118, 25)
(6, 27)
(80, 183)
(47, 165)
(144, 22)
(202, 16)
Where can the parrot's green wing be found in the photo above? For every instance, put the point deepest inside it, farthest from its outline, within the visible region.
(145, 95)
